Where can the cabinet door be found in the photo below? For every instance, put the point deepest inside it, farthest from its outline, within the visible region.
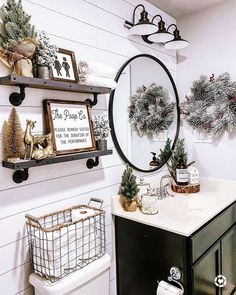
(228, 245)
(205, 272)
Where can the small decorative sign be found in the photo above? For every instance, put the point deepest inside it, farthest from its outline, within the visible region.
(71, 126)
(64, 67)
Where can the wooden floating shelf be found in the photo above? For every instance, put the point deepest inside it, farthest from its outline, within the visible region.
(26, 164)
(15, 80)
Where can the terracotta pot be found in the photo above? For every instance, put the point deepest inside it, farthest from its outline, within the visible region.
(128, 205)
(101, 144)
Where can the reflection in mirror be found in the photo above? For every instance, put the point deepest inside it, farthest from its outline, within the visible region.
(144, 113)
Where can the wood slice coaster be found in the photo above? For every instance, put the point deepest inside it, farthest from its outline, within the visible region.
(185, 189)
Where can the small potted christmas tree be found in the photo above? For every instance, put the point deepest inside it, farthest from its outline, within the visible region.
(165, 153)
(17, 38)
(13, 138)
(128, 190)
(179, 164)
(45, 56)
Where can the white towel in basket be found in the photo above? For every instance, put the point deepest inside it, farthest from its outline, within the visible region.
(62, 250)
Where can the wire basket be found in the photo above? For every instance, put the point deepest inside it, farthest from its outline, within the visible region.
(67, 240)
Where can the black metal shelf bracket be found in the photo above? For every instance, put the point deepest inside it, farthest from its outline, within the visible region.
(94, 101)
(20, 175)
(92, 163)
(16, 98)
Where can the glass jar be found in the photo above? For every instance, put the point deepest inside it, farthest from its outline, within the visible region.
(143, 189)
(149, 204)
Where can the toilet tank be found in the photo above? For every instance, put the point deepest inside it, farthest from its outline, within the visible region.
(94, 279)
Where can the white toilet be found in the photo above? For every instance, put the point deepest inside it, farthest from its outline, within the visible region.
(94, 279)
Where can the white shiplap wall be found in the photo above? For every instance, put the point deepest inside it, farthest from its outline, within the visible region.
(94, 30)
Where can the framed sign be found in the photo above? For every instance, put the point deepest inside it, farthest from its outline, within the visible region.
(64, 67)
(71, 126)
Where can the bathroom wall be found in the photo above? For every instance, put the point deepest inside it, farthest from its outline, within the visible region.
(94, 30)
(212, 50)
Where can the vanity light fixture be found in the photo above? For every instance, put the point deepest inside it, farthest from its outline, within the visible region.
(143, 26)
(177, 42)
(152, 33)
(162, 35)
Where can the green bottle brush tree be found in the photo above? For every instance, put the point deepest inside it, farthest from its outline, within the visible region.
(128, 190)
(179, 157)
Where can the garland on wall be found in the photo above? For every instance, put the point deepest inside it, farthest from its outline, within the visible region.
(150, 111)
(211, 106)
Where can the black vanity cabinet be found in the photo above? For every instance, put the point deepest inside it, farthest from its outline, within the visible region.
(145, 254)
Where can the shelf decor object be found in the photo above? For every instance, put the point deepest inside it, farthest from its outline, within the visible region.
(151, 33)
(45, 56)
(64, 67)
(18, 38)
(16, 98)
(101, 131)
(13, 143)
(70, 124)
(22, 168)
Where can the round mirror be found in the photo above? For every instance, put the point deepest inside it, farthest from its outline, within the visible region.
(144, 113)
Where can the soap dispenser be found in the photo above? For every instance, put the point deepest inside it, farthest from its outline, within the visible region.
(154, 163)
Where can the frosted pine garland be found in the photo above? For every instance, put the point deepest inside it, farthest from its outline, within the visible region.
(150, 111)
(211, 106)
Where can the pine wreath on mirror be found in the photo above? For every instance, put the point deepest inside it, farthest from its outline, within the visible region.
(211, 105)
(150, 110)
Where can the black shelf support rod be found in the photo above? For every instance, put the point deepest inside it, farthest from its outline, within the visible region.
(92, 163)
(94, 101)
(20, 175)
(16, 98)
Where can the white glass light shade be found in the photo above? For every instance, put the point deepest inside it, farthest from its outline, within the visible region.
(143, 29)
(176, 44)
(160, 37)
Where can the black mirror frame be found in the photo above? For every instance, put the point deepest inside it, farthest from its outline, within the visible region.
(111, 121)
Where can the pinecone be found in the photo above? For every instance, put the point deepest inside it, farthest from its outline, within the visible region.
(232, 106)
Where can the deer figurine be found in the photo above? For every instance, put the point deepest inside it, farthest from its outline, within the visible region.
(31, 140)
(43, 153)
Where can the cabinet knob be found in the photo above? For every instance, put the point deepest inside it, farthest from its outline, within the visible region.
(220, 281)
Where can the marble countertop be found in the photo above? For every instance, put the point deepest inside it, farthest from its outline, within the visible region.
(185, 213)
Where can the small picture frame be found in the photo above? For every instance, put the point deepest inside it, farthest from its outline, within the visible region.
(64, 67)
(70, 123)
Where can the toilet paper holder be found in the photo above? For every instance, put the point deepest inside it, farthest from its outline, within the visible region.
(175, 276)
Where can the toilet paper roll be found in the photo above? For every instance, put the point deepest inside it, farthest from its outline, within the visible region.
(165, 288)
(78, 214)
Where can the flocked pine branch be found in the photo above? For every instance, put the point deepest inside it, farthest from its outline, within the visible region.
(15, 24)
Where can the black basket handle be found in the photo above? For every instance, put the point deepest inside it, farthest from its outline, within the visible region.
(97, 201)
(32, 218)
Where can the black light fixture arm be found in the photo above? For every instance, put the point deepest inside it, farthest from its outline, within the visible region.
(172, 25)
(155, 16)
(129, 24)
(140, 5)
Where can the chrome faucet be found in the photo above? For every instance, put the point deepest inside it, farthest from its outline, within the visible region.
(164, 188)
